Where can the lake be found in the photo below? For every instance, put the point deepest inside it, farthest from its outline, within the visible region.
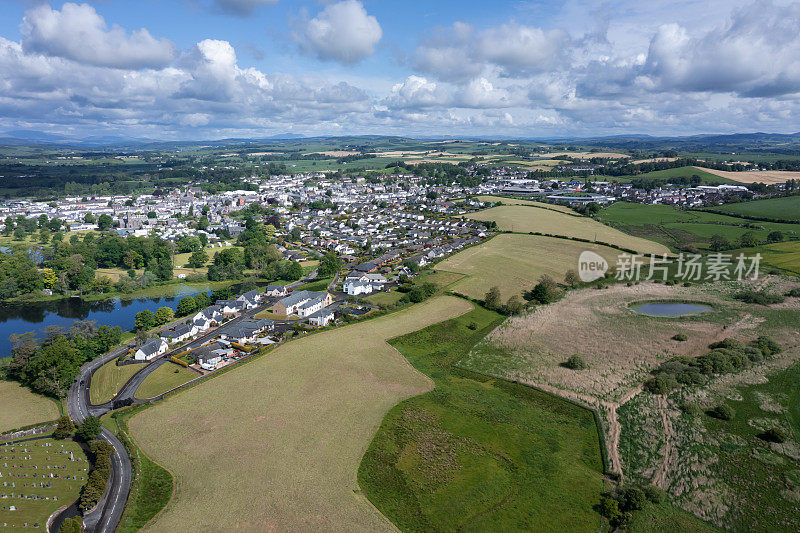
(672, 309)
(35, 316)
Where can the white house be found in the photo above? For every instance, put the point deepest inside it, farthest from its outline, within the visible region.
(321, 318)
(363, 283)
(151, 349)
(275, 291)
(231, 307)
(180, 333)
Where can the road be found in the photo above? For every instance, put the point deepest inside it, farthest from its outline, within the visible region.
(108, 514)
(105, 518)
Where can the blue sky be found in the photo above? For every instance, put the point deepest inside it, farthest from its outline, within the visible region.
(219, 68)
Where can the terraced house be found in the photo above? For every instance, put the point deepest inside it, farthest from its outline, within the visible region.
(303, 303)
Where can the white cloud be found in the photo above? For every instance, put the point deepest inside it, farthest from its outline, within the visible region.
(417, 92)
(79, 33)
(523, 49)
(342, 32)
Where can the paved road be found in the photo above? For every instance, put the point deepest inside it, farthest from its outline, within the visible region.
(105, 518)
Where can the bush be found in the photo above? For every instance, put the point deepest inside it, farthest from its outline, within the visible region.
(775, 434)
(472, 325)
(632, 499)
(64, 429)
(680, 337)
(657, 385)
(794, 293)
(690, 408)
(609, 508)
(722, 412)
(180, 362)
(72, 525)
(759, 297)
(576, 362)
(654, 494)
(98, 477)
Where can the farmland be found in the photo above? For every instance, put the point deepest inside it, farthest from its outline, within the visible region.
(755, 176)
(20, 407)
(39, 477)
(783, 255)
(525, 219)
(164, 378)
(478, 453)
(785, 208)
(707, 176)
(515, 263)
(678, 229)
(279, 442)
(108, 379)
(608, 336)
(518, 201)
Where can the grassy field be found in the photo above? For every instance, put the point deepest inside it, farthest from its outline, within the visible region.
(518, 201)
(108, 379)
(756, 176)
(19, 407)
(516, 262)
(786, 208)
(667, 517)
(525, 219)
(440, 278)
(164, 378)
(479, 454)
(316, 285)
(708, 177)
(278, 441)
(783, 255)
(677, 228)
(723, 470)
(384, 298)
(27, 469)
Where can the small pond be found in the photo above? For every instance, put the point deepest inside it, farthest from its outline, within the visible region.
(670, 309)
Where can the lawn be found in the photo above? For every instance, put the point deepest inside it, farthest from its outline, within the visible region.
(27, 468)
(316, 285)
(108, 379)
(525, 219)
(19, 407)
(515, 263)
(164, 378)
(384, 298)
(786, 208)
(440, 278)
(278, 441)
(480, 454)
(678, 228)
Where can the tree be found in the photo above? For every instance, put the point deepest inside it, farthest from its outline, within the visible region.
(719, 243)
(775, 236)
(723, 412)
(72, 525)
(104, 222)
(202, 300)
(163, 315)
(609, 508)
(571, 278)
(89, 218)
(294, 272)
(296, 233)
(185, 306)
(329, 265)
(198, 259)
(514, 305)
(202, 224)
(144, 320)
(64, 428)
(89, 430)
(748, 239)
(492, 298)
(632, 499)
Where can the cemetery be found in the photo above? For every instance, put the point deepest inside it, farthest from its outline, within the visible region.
(38, 477)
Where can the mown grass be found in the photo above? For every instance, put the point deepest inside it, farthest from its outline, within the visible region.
(786, 208)
(164, 378)
(41, 458)
(478, 453)
(108, 379)
(318, 285)
(19, 407)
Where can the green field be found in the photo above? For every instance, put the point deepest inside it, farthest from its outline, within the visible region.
(514, 263)
(108, 379)
(19, 407)
(480, 454)
(526, 219)
(164, 378)
(672, 173)
(384, 298)
(318, 285)
(37, 479)
(724, 469)
(679, 228)
(278, 440)
(786, 208)
(518, 201)
(783, 255)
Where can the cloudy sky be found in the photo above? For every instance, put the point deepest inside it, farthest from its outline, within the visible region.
(201, 69)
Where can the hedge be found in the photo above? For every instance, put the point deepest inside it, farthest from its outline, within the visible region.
(98, 478)
(177, 361)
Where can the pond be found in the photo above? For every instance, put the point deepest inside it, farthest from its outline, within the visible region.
(36, 316)
(672, 309)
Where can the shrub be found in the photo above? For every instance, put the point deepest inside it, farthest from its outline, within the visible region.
(98, 477)
(576, 362)
(768, 346)
(180, 362)
(759, 297)
(690, 408)
(680, 337)
(64, 428)
(775, 434)
(657, 385)
(472, 325)
(654, 494)
(723, 412)
(89, 430)
(794, 293)
(632, 499)
(72, 525)
(609, 508)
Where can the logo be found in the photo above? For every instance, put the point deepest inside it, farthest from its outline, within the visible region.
(591, 266)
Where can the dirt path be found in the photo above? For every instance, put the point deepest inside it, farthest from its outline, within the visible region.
(660, 475)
